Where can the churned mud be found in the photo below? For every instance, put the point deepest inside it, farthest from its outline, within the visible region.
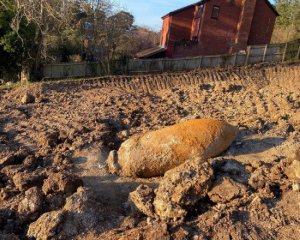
(54, 182)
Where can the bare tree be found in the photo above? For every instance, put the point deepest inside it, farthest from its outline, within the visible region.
(51, 18)
(109, 25)
(56, 19)
(140, 39)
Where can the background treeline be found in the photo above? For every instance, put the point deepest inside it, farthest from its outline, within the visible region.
(36, 32)
(287, 26)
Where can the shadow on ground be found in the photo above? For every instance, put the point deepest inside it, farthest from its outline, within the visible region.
(253, 146)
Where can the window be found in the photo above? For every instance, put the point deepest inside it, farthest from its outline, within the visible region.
(198, 14)
(215, 12)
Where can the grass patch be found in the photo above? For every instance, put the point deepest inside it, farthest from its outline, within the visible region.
(11, 86)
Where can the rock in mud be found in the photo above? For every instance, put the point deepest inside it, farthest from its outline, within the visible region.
(80, 214)
(61, 183)
(293, 171)
(258, 179)
(31, 204)
(3, 139)
(46, 226)
(83, 210)
(182, 187)
(28, 98)
(142, 199)
(26, 180)
(153, 153)
(227, 190)
(296, 187)
(112, 162)
(54, 201)
(31, 162)
(232, 168)
(48, 139)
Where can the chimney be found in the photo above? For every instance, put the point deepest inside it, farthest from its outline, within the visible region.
(244, 26)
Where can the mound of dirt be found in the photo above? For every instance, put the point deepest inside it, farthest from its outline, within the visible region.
(52, 146)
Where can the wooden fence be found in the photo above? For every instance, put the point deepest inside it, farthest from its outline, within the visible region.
(255, 54)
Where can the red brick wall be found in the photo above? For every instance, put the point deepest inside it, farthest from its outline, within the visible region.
(262, 24)
(196, 23)
(165, 31)
(177, 27)
(181, 24)
(240, 22)
(244, 26)
(215, 35)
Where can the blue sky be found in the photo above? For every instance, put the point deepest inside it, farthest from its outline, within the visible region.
(149, 12)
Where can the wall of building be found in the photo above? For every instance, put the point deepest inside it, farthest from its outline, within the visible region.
(262, 25)
(165, 31)
(240, 23)
(196, 22)
(216, 35)
(181, 25)
(244, 25)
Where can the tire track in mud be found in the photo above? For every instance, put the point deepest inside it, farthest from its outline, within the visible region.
(259, 76)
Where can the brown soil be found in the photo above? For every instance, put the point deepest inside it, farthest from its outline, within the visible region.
(60, 141)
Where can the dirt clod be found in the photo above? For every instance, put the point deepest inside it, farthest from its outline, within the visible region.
(46, 226)
(27, 98)
(181, 188)
(227, 190)
(80, 212)
(31, 204)
(48, 139)
(293, 171)
(61, 182)
(25, 180)
(142, 199)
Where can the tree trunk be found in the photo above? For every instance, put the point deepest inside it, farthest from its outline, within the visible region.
(108, 64)
(25, 75)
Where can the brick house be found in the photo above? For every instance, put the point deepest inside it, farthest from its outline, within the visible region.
(212, 27)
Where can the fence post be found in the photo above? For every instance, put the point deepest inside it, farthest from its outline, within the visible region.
(201, 59)
(85, 69)
(284, 52)
(126, 66)
(265, 53)
(235, 58)
(248, 55)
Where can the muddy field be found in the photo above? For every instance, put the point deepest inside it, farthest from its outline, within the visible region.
(55, 138)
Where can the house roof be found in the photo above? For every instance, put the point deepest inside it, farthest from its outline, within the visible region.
(272, 7)
(149, 52)
(203, 1)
